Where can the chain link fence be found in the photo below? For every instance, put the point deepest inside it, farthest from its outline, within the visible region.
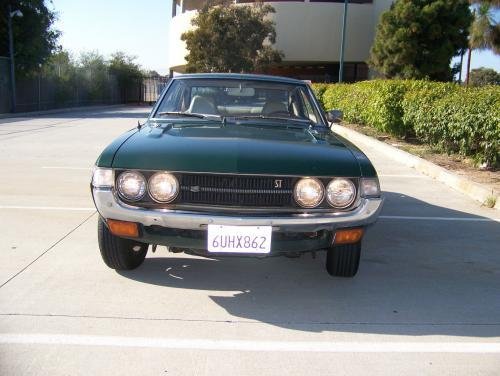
(82, 87)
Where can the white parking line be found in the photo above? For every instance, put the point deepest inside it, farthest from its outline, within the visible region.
(403, 176)
(66, 168)
(8, 207)
(254, 346)
(462, 219)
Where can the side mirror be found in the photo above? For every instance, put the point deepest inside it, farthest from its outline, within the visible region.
(334, 116)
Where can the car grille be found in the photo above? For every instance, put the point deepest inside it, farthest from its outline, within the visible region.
(230, 192)
(236, 190)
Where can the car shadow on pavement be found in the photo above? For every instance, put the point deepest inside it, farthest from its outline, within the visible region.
(417, 277)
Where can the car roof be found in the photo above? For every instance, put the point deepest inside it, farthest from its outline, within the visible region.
(242, 76)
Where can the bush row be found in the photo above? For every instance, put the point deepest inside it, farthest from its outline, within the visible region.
(451, 117)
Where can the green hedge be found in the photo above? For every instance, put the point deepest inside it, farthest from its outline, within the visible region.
(448, 116)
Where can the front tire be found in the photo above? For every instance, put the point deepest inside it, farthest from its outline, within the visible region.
(119, 253)
(343, 260)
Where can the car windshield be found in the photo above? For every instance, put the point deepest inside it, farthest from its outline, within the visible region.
(240, 99)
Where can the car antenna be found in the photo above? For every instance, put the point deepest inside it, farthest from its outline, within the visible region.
(139, 125)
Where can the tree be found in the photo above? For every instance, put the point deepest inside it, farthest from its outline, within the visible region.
(231, 38)
(128, 74)
(418, 38)
(484, 31)
(495, 39)
(59, 64)
(124, 68)
(93, 71)
(60, 68)
(34, 36)
(484, 76)
(152, 73)
(493, 3)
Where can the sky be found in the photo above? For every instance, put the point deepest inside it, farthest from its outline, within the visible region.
(140, 28)
(136, 27)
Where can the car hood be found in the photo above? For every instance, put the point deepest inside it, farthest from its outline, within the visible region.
(238, 149)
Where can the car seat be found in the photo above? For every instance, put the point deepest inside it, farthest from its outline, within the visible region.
(274, 106)
(202, 105)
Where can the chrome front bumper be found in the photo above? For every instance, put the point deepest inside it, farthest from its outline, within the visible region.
(110, 208)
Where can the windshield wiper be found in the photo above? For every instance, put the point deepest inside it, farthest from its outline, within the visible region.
(304, 122)
(264, 117)
(186, 114)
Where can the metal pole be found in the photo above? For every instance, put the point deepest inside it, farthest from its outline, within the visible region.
(11, 53)
(342, 46)
(39, 89)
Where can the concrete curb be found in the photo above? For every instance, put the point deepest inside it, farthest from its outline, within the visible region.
(476, 191)
(57, 111)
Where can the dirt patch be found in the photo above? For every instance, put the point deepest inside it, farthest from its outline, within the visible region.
(458, 164)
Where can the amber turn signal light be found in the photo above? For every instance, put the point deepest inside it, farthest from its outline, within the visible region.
(348, 236)
(123, 228)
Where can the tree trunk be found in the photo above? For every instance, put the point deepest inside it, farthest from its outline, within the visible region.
(468, 66)
(462, 53)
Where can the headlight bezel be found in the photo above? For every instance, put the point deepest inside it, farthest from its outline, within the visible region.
(124, 195)
(365, 183)
(351, 200)
(102, 178)
(152, 196)
(321, 199)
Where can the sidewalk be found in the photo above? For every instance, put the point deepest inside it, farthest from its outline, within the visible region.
(478, 192)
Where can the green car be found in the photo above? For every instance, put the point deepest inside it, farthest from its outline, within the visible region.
(235, 165)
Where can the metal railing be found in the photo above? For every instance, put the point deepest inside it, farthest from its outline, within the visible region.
(51, 91)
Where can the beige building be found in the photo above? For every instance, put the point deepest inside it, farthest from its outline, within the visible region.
(308, 33)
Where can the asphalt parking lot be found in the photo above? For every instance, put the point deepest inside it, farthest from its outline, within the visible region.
(426, 300)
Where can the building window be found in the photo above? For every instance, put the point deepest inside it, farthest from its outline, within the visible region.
(274, 1)
(176, 7)
(324, 72)
(188, 5)
(181, 6)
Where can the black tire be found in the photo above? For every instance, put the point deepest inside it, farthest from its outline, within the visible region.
(343, 260)
(119, 253)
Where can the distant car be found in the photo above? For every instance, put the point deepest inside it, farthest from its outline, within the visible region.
(233, 164)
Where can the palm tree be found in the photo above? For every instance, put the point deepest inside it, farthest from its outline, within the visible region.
(494, 3)
(484, 31)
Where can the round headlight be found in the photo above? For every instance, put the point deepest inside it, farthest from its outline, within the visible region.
(131, 185)
(309, 192)
(163, 187)
(340, 193)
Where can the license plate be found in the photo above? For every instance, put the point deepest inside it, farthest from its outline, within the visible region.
(239, 239)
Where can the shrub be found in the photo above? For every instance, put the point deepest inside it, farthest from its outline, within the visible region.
(456, 119)
(468, 122)
(418, 105)
(484, 76)
(453, 118)
(346, 98)
(377, 103)
(319, 90)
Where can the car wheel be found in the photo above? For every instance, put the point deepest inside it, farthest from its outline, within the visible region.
(343, 260)
(119, 253)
